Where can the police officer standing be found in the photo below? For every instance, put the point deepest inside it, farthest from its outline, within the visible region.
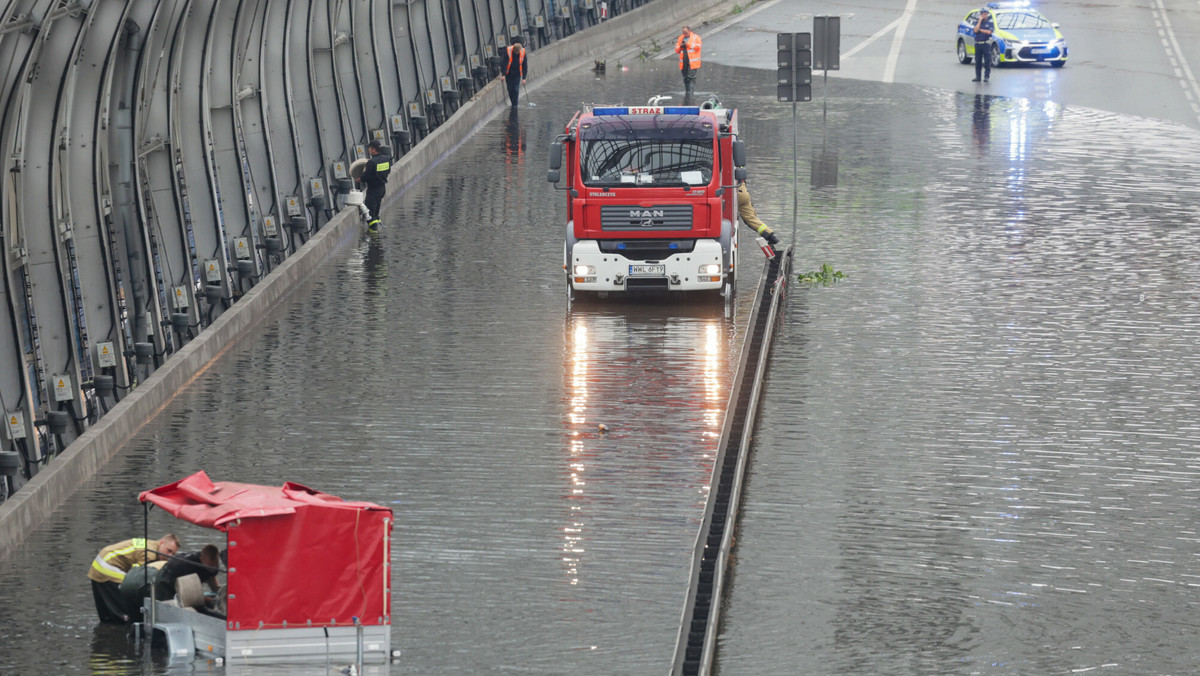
(984, 28)
(515, 67)
(375, 176)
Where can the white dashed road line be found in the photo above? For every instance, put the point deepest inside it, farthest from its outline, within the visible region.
(1191, 88)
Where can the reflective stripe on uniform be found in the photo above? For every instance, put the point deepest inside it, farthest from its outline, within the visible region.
(521, 61)
(691, 52)
(108, 570)
(383, 166)
(101, 563)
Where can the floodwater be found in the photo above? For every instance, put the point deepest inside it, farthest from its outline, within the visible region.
(977, 454)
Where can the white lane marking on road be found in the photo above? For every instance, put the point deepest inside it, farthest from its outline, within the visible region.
(743, 15)
(726, 24)
(1186, 77)
(865, 43)
(889, 70)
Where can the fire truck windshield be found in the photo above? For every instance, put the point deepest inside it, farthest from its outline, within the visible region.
(646, 163)
(645, 150)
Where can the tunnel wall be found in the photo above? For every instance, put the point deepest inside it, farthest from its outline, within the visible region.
(175, 169)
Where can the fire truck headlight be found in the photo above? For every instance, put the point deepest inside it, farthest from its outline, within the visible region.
(709, 269)
(582, 270)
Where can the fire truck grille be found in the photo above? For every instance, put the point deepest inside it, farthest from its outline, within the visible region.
(646, 219)
(646, 249)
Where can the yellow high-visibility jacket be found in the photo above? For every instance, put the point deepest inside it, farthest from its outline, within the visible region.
(114, 561)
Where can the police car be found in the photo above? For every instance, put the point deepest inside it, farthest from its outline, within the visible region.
(1022, 35)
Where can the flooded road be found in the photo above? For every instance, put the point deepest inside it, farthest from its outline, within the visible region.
(977, 453)
(980, 451)
(437, 368)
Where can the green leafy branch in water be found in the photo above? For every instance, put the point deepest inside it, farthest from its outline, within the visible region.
(825, 276)
(647, 52)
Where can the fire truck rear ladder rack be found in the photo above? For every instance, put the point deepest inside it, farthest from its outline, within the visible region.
(700, 621)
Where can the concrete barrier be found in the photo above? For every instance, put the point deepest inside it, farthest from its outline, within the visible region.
(49, 488)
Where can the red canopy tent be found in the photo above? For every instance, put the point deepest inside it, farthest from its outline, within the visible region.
(296, 557)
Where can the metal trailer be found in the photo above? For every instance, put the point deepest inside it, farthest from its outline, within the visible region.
(308, 576)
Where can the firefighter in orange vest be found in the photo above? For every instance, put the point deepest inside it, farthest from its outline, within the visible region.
(688, 49)
(515, 67)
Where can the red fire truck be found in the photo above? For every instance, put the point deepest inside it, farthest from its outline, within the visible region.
(651, 198)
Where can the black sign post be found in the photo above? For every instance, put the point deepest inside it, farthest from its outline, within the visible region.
(794, 67)
(794, 83)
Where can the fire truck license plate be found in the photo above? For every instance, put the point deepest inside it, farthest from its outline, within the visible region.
(647, 269)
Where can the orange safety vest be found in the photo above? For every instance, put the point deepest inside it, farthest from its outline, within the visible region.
(521, 61)
(692, 52)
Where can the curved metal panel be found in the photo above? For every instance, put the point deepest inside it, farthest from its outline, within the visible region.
(423, 50)
(331, 123)
(407, 72)
(55, 314)
(84, 121)
(439, 40)
(277, 106)
(234, 242)
(21, 395)
(302, 104)
(473, 38)
(346, 79)
(192, 143)
(114, 160)
(167, 252)
(255, 150)
(367, 66)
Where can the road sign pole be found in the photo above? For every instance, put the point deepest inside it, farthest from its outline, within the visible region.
(793, 82)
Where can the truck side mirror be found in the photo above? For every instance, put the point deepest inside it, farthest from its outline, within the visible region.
(556, 152)
(739, 153)
(739, 174)
(552, 176)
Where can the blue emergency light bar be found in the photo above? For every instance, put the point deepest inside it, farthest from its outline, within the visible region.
(647, 110)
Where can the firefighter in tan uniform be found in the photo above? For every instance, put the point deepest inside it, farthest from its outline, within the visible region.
(113, 562)
(750, 216)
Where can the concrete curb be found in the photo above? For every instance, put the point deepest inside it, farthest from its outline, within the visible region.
(49, 488)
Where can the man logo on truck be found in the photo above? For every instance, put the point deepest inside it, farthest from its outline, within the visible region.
(648, 213)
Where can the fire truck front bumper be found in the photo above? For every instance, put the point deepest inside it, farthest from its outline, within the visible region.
(700, 269)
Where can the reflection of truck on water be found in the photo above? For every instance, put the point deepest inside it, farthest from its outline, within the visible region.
(651, 198)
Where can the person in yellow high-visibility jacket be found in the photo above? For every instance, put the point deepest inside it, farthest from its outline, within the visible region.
(109, 567)
(750, 216)
(687, 46)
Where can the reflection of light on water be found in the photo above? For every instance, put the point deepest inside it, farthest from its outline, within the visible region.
(712, 380)
(579, 376)
(1018, 132)
(1018, 147)
(573, 532)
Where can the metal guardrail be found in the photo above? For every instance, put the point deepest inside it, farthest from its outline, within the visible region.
(695, 648)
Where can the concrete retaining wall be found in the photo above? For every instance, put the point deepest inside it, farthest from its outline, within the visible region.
(25, 510)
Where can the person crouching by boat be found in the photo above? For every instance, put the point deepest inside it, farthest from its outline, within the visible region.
(205, 564)
(112, 564)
